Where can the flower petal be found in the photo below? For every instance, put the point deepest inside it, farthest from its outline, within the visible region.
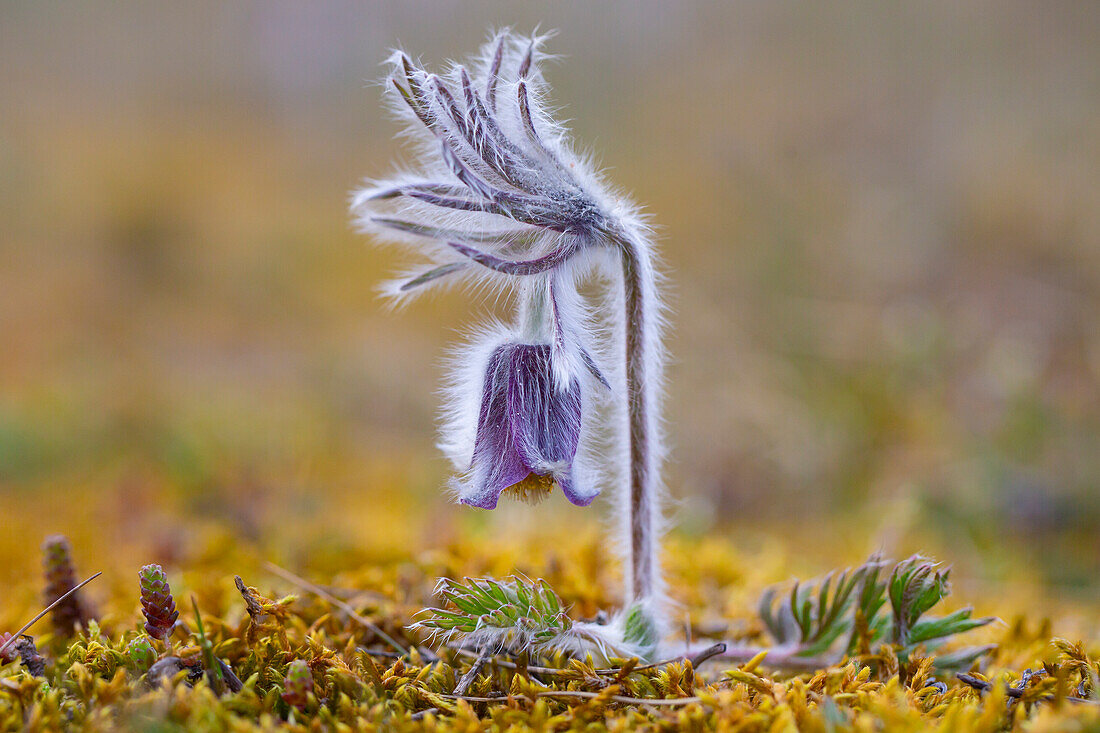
(546, 421)
(564, 479)
(496, 464)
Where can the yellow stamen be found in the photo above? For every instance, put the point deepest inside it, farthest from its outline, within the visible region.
(532, 489)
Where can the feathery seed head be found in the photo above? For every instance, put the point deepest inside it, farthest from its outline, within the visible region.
(498, 191)
(499, 199)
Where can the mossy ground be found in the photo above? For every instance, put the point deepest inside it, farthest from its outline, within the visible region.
(91, 683)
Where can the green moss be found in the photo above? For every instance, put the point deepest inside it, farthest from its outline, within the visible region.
(304, 662)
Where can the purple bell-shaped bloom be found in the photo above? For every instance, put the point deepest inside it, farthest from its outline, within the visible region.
(528, 430)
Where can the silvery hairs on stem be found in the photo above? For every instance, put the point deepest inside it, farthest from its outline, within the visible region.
(498, 200)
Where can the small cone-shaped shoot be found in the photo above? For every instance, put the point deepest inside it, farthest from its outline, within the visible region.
(9, 653)
(157, 603)
(298, 684)
(57, 563)
(22, 648)
(142, 654)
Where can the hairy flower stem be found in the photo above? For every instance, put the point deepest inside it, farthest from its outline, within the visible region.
(534, 311)
(643, 579)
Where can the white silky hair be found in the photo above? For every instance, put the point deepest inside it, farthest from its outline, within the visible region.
(557, 176)
(613, 442)
(531, 179)
(431, 167)
(463, 390)
(461, 398)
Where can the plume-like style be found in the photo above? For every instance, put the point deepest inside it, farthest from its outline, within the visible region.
(498, 191)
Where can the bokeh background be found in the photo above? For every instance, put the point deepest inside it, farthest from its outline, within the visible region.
(881, 223)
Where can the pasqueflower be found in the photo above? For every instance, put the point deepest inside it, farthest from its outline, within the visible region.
(528, 429)
(499, 198)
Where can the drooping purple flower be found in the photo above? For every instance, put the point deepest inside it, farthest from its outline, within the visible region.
(528, 430)
(500, 200)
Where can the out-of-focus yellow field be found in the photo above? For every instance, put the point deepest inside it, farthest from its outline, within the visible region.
(880, 229)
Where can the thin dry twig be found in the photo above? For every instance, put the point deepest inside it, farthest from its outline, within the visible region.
(472, 673)
(345, 607)
(46, 610)
(658, 701)
(712, 651)
(625, 671)
(1014, 692)
(779, 658)
(668, 701)
(425, 653)
(504, 663)
(699, 658)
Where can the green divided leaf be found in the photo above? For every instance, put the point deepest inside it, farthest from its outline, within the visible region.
(816, 615)
(511, 614)
(640, 630)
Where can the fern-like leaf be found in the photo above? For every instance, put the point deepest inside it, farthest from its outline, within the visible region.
(815, 615)
(514, 615)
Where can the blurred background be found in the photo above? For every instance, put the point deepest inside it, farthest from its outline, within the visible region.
(880, 221)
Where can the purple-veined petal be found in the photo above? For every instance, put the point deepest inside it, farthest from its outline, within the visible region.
(568, 486)
(496, 464)
(546, 421)
(526, 425)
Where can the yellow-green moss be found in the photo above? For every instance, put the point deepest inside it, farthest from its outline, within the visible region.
(94, 682)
